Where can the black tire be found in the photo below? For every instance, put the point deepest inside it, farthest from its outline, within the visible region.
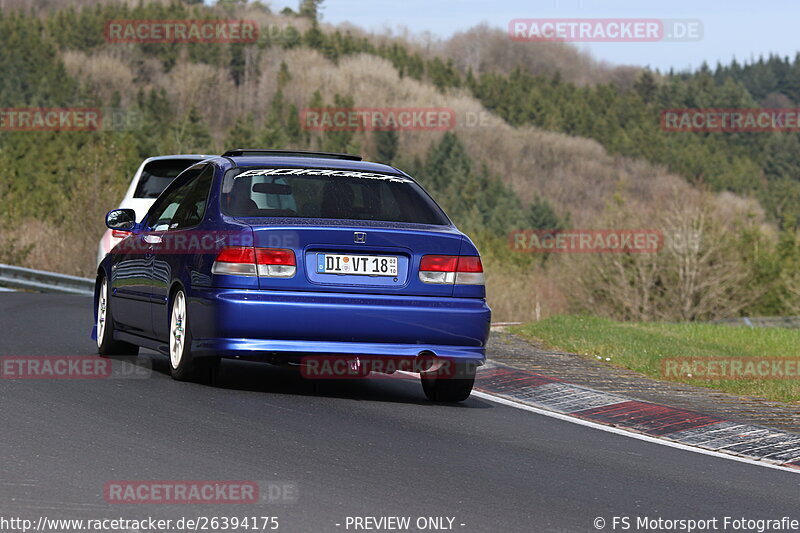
(106, 345)
(452, 383)
(188, 367)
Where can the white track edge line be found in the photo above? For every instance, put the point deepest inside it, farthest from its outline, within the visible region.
(629, 433)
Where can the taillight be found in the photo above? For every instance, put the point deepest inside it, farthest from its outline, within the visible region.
(469, 271)
(119, 234)
(237, 261)
(275, 262)
(438, 263)
(263, 262)
(449, 269)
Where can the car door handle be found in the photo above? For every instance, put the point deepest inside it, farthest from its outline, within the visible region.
(152, 239)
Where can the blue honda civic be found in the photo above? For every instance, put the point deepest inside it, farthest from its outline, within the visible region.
(296, 258)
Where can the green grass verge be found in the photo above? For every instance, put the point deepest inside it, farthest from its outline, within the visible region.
(643, 346)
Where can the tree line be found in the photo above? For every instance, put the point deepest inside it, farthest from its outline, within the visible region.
(47, 174)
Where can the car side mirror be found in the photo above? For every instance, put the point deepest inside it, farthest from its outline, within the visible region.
(122, 219)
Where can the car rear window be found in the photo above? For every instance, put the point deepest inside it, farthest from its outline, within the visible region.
(156, 175)
(327, 193)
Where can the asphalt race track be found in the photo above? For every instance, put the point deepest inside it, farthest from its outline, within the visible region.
(350, 448)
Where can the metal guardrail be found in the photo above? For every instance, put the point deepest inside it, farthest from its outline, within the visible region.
(42, 281)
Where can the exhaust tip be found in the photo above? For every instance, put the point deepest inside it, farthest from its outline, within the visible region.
(427, 361)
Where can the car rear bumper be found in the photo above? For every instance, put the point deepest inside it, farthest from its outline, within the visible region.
(252, 323)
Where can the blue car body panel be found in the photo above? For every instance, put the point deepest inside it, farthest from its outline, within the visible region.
(264, 318)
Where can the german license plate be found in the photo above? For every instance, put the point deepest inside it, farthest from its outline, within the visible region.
(362, 265)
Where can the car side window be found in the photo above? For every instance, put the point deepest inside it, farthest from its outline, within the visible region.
(163, 215)
(193, 206)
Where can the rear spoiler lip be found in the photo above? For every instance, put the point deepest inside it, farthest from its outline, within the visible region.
(239, 152)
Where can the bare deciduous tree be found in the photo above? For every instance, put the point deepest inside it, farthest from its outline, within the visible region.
(698, 274)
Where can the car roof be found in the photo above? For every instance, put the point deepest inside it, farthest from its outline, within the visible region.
(254, 161)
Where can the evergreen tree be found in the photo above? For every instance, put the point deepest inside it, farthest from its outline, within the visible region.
(273, 135)
(646, 86)
(243, 134)
(313, 37)
(238, 63)
(193, 134)
(341, 141)
(310, 9)
(294, 130)
(386, 146)
(478, 203)
(284, 76)
(157, 115)
(541, 215)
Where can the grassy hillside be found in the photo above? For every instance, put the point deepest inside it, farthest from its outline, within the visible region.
(517, 168)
